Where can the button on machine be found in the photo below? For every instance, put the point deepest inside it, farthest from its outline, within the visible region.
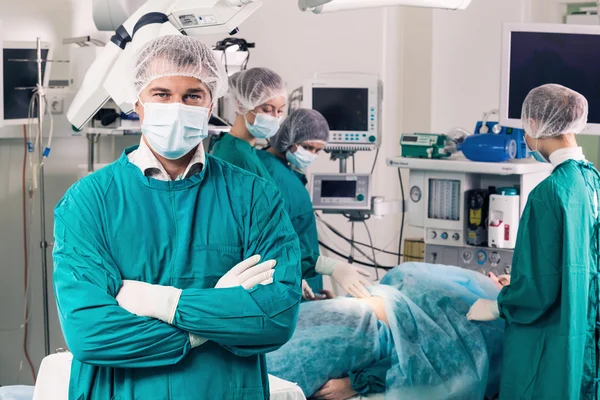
(456, 236)
(444, 235)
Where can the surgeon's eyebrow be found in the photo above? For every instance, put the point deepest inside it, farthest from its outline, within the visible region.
(159, 90)
(196, 90)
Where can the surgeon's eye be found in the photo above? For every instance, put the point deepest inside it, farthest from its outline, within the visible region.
(161, 96)
(192, 99)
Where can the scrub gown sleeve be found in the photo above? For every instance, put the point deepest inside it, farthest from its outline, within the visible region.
(306, 228)
(537, 265)
(86, 281)
(260, 320)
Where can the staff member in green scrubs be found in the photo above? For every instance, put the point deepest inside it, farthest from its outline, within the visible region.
(261, 99)
(302, 136)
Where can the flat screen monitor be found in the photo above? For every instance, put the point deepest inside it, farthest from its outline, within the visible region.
(537, 54)
(19, 79)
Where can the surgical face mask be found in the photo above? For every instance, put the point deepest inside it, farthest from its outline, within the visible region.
(536, 153)
(301, 159)
(265, 126)
(174, 129)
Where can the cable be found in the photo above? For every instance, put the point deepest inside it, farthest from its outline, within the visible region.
(374, 162)
(355, 261)
(351, 244)
(402, 223)
(245, 63)
(338, 233)
(25, 256)
(372, 249)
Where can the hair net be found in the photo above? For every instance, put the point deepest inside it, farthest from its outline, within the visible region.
(256, 86)
(179, 55)
(553, 110)
(302, 125)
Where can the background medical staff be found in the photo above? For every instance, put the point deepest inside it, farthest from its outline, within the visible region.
(551, 305)
(302, 136)
(261, 99)
(155, 256)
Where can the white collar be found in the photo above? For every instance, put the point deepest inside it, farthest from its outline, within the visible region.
(145, 160)
(567, 153)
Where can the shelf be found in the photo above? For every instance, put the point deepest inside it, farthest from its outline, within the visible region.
(458, 163)
(112, 131)
(212, 131)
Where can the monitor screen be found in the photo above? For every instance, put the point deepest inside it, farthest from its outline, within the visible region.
(569, 59)
(344, 109)
(20, 78)
(338, 189)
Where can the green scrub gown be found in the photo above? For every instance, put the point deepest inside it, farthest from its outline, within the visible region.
(551, 305)
(300, 209)
(118, 224)
(241, 154)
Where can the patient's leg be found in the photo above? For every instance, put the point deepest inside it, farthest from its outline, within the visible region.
(378, 304)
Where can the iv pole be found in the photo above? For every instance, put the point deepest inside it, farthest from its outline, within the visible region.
(43, 243)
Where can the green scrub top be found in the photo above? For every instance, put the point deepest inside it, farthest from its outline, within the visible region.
(241, 154)
(551, 305)
(117, 224)
(301, 213)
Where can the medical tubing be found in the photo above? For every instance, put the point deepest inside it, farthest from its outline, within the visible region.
(355, 261)
(402, 223)
(337, 233)
(375, 162)
(372, 249)
(25, 256)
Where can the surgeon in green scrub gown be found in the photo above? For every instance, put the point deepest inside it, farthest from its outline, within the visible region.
(551, 306)
(174, 272)
(261, 96)
(302, 136)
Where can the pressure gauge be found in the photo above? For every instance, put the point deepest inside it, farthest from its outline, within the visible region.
(481, 257)
(415, 194)
(467, 256)
(494, 258)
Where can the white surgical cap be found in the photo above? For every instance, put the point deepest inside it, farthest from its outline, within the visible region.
(553, 110)
(301, 126)
(179, 55)
(254, 87)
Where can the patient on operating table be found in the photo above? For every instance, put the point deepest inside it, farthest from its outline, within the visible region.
(410, 340)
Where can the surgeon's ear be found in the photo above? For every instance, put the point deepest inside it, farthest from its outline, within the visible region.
(210, 110)
(139, 110)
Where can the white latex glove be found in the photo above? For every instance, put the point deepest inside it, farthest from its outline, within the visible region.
(352, 279)
(154, 301)
(484, 310)
(247, 274)
(307, 292)
(147, 300)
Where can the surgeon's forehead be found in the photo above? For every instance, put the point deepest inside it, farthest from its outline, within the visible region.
(180, 84)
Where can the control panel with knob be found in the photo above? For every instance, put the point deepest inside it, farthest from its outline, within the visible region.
(494, 258)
